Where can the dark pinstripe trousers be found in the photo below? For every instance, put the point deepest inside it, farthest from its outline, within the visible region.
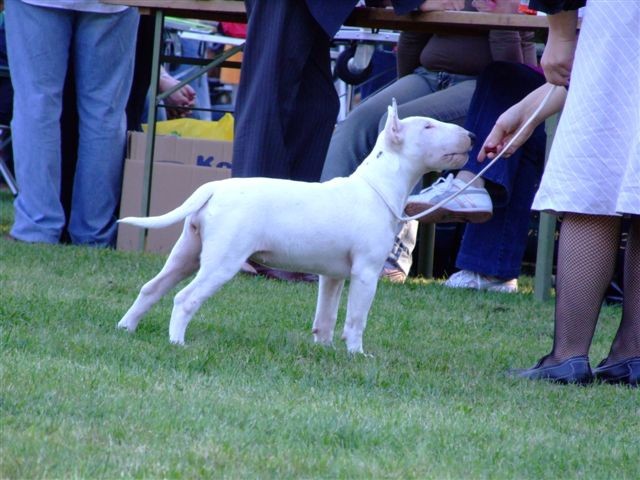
(286, 106)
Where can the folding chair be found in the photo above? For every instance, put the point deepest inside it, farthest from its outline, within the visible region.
(5, 142)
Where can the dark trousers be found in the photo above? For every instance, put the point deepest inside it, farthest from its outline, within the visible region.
(286, 105)
(497, 247)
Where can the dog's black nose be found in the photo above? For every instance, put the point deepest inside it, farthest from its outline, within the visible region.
(472, 137)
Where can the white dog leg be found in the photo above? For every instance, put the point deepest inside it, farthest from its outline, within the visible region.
(182, 262)
(215, 271)
(329, 290)
(362, 289)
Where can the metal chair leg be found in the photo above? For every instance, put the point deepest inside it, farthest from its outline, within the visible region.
(4, 169)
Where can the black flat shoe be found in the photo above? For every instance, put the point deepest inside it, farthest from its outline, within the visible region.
(625, 371)
(573, 370)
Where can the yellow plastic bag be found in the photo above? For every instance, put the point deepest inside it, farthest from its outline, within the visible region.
(191, 128)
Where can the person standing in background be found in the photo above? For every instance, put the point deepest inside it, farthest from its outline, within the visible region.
(43, 38)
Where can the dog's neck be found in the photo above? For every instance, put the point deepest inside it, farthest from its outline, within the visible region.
(393, 179)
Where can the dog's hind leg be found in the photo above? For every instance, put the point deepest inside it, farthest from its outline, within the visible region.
(329, 291)
(362, 289)
(182, 262)
(217, 267)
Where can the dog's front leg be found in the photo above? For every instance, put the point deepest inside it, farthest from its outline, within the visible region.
(362, 289)
(329, 290)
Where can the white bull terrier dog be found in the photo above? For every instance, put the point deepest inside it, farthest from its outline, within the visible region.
(343, 228)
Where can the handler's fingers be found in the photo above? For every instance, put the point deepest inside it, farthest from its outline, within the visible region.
(558, 77)
(190, 93)
(492, 144)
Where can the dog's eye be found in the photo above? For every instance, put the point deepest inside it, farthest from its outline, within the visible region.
(428, 125)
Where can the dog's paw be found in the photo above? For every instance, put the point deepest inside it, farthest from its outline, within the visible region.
(354, 347)
(353, 339)
(360, 354)
(356, 351)
(123, 325)
(322, 338)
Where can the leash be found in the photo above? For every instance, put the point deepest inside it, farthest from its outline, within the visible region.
(403, 218)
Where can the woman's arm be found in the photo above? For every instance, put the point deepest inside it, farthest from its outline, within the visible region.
(557, 59)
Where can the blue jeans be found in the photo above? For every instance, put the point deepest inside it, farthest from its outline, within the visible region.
(497, 247)
(438, 95)
(42, 42)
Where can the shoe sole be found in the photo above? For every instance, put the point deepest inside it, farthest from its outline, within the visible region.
(492, 288)
(443, 215)
(501, 290)
(617, 381)
(394, 276)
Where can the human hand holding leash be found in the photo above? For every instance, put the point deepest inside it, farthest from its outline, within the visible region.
(526, 115)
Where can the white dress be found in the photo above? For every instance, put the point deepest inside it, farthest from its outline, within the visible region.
(594, 163)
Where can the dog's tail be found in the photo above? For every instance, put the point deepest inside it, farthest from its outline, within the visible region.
(191, 205)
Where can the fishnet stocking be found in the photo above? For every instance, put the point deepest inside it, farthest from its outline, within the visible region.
(586, 261)
(627, 341)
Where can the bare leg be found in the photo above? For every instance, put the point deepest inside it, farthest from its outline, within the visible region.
(466, 176)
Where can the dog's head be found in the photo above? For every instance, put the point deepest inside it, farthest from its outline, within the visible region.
(437, 145)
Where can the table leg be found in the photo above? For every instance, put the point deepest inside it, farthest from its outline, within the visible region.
(147, 172)
(546, 233)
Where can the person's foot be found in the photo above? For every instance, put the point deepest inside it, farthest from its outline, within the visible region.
(393, 272)
(473, 205)
(476, 281)
(248, 269)
(626, 372)
(572, 370)
(277, 274)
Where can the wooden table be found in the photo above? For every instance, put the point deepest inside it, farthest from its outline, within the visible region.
(234, 11)
(376, 18)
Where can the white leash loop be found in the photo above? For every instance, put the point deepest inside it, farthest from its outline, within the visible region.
(403, 218)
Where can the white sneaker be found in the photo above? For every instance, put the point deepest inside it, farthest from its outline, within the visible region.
(469, 279)
(472, 205)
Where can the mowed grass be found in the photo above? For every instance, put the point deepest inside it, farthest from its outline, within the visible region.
(251, 396)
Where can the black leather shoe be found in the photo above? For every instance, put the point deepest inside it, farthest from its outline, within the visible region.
(573, 370)
(625, 371)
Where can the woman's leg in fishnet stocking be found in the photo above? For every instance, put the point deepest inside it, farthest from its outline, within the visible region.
(586, 261)
(627, 341)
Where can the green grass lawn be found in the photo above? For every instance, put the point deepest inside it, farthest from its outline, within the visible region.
(251, 396)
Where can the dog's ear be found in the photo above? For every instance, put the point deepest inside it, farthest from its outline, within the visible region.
(393, 127)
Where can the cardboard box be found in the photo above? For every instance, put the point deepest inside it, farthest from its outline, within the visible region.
(180, 165)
